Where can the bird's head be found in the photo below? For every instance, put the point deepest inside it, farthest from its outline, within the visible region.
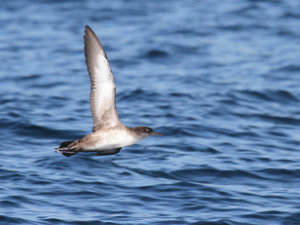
(144, 132)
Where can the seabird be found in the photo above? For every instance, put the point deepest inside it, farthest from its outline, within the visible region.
(109, 135)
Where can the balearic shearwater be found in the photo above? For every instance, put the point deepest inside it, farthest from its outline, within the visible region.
(109, 134)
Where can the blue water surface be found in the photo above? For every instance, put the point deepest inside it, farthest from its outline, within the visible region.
(221, 80)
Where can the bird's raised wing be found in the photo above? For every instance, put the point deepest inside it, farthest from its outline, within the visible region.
(103, 89)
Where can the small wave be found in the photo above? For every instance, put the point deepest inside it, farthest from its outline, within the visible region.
(215, 222)
(293, 15)
(198, 174)
(13, 220)
(37, 131)
(278, 119)
(280, 173)
(155, 53)
(76, 221)
(292, 219)
(288, 68)
(137, 94)
(281, 96)
(29, 77)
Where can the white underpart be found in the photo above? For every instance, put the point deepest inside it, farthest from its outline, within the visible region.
(113, 139)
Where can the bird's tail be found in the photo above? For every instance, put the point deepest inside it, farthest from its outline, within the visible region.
(67, 148)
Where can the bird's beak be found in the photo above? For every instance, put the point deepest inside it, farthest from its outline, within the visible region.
(158, 134)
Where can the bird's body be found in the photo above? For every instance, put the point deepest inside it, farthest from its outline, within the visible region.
(109, 134)
(111, 138)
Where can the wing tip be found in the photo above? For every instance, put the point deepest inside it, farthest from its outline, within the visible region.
(90, 36)
(87, 28)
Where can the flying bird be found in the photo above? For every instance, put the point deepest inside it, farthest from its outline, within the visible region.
(109, 135)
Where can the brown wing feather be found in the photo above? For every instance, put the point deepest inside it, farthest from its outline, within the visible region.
(103, 89)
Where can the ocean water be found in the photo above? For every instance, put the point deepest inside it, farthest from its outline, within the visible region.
(221, 80)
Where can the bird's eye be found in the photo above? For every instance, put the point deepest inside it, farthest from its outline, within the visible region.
(148, 130)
